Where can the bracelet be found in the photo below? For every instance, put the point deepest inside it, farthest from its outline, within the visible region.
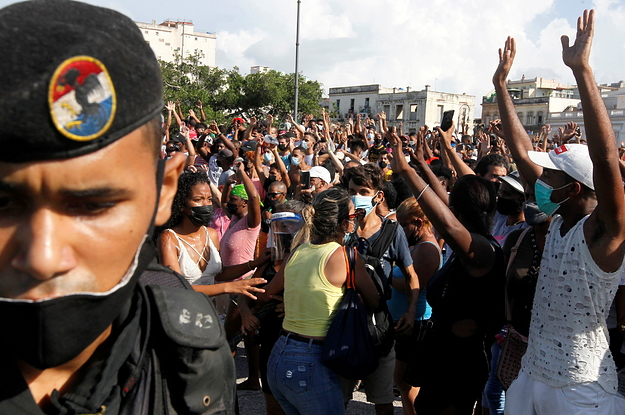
(422, 191)
(248, 265)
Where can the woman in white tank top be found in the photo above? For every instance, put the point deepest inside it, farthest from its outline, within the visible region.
(189, 247)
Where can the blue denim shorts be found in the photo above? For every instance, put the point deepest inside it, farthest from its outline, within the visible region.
(300, 382)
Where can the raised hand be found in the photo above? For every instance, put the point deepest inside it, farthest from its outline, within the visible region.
(270, 119)
(577, 56)
(199, 104)
(506, 58)
(497, 128)
(191, 113)
(446, 136)
(171, 106)
(568, 132)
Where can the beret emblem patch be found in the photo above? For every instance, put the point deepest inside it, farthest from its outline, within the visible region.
(82, 98)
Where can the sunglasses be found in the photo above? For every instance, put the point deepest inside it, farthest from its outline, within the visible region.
(272, 195)
(358, 214)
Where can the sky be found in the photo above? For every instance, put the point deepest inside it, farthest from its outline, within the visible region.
(448, 44)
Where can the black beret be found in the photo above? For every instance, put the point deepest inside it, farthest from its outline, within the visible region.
(74, 78)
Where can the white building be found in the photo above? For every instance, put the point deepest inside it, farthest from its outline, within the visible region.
(614, 100)
(412, 108)
(259, 69)
(170, 37)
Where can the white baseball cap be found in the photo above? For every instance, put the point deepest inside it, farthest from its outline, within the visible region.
(573, 159)
(322, 173)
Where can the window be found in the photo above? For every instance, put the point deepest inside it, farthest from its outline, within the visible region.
(486, 118)
(156, 33)
(520, 115)
(440, 109)
(366, 102)
(351, 104)
(387, 110)
(540, 117)
(413, 112)
(530, 118)
(338, 105)
(399, 112)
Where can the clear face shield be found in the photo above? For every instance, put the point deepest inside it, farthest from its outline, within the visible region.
(282, 230)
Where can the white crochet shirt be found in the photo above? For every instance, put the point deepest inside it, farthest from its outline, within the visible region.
(568, 337)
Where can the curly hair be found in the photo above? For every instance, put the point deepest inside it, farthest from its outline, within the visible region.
(186, 181)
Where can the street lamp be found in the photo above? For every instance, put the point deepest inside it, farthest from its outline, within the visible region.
(296, 62)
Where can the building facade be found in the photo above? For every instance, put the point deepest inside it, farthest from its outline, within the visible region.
(533, 100)
(614, 98)
(172, 37)
(413, 109)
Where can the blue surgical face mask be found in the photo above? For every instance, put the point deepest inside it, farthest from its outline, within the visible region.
(543, 192)
(295, 161)
(364, 202)
(267, 157)
(304, 145)
(370, 136)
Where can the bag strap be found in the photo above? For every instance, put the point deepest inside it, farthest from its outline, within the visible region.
(350, 263)
(387, 234)
(513, 253)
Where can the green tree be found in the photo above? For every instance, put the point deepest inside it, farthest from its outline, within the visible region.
(227, 93)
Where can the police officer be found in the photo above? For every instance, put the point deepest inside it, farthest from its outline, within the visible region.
(84, 327)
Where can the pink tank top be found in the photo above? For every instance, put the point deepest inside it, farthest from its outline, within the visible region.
(238, 244)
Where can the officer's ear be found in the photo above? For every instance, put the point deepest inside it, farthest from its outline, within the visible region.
(173, 169)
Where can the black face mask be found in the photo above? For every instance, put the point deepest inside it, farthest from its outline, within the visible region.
(51, 332)
(509, 206)
(533, 214)
(48, 333)
(382, 164)
(231, 208)
(201, 215)
(271, 203)
(282, 147)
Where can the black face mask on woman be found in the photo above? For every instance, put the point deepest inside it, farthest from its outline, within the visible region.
(201, 215)
(509, 206)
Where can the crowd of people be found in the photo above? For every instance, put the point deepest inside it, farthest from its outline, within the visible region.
(464, 241)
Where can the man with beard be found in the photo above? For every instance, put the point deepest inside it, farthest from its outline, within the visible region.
(83, 333)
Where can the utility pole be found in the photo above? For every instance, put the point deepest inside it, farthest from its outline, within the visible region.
(296, 62)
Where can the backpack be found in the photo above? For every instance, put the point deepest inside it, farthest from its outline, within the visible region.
(380, 320)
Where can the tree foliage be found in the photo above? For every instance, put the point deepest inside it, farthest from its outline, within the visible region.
(227, 93)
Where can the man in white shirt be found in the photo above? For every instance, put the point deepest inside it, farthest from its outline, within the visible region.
(568, 367)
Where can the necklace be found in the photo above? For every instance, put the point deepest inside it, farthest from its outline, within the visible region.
(532, 272)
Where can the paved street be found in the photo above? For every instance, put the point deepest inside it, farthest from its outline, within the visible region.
(252, 402)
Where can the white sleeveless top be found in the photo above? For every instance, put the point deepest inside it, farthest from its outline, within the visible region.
(190, 269)
(568, 341)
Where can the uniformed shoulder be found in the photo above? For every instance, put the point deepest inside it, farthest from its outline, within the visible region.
(157, 274)
(187, 317)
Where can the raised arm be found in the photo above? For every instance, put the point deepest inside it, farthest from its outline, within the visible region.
(253, 201)
(200, 106)
(513, 131)
(299, 128)
(474, 250)
(606, 225)
(445, 140)
(281, 166)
